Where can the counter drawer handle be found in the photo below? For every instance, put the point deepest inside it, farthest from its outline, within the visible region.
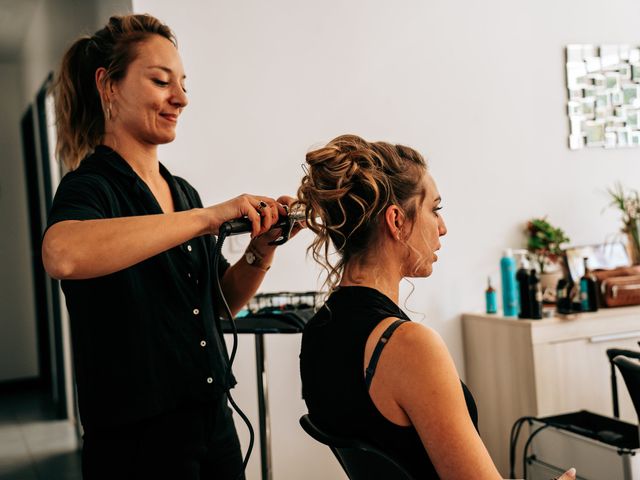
(614, 336)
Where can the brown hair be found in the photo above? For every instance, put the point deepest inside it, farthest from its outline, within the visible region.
(349, 183)
(80, 113)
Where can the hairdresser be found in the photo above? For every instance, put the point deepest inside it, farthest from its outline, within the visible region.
(133, 246)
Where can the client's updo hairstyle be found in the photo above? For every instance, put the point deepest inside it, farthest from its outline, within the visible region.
(80, 112)
(349, 183)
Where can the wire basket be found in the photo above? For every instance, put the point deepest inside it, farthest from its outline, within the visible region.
(284, 302)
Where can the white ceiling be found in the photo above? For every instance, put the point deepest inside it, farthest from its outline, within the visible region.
(15, 16)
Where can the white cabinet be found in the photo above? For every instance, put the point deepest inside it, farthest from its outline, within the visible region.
(543, 367)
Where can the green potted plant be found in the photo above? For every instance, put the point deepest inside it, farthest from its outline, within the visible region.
(628, 202)
(544, 242)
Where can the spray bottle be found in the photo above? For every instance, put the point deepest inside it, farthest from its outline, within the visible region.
(509, 285)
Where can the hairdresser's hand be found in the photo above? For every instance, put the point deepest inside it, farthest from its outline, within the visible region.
(568, 475)
(262, 211)
(262, 242)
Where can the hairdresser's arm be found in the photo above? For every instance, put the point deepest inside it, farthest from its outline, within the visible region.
(76, 250)
(241, 281)
(426, 386)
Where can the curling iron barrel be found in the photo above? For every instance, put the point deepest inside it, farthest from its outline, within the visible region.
(285, 223)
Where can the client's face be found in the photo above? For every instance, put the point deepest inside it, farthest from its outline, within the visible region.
(429, 226)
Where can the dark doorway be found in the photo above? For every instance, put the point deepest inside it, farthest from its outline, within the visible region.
(42, 176)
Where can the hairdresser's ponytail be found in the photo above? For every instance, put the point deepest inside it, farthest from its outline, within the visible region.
(80, 122)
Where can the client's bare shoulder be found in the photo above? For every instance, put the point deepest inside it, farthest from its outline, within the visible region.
(406, 369)
(412, 346)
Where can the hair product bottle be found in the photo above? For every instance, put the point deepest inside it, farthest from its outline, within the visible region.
(524, 284)
(490, 298)
(588, 290)
(563, 300)
(535, 294)
(564, 292)
(509, 285)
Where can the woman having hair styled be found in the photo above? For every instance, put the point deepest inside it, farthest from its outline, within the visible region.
(133, 246)
(377, 205)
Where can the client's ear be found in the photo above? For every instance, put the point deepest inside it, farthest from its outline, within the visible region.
(394, 219)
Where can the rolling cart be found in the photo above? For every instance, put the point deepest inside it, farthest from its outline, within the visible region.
(271, 313)
(600, 448)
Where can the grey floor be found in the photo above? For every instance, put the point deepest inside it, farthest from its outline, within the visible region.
(33, 446)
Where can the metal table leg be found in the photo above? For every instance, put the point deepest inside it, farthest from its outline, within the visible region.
(263, 409)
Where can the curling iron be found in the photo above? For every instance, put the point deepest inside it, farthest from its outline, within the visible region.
(285, 223)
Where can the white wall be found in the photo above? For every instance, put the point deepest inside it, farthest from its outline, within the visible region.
(18, 356)
(477, 87)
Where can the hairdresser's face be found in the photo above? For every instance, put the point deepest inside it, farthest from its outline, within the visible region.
(429, 226)
(149, 99)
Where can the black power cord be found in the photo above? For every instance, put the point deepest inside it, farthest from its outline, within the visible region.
(216, 257)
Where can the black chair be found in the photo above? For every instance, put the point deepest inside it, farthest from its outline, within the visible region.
(630, 370)
(613, 353)
(360, 460)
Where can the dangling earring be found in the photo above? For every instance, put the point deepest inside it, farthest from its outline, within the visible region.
(109, 111)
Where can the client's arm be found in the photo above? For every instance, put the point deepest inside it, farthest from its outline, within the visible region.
(416, 372)
(416, 382)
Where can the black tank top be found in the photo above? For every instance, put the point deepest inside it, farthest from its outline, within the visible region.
(333, 384)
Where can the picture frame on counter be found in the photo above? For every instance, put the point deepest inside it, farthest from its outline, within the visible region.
(602, 256)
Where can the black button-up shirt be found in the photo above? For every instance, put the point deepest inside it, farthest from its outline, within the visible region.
(145, 339)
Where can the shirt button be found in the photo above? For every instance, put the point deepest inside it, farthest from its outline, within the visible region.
(209, 380)
(203, 343)
(196, 311)
(189, 275)
(189, 247)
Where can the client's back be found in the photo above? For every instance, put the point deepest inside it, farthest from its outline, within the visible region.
(333, 383)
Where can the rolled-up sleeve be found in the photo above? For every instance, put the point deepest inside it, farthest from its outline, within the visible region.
(79, 197)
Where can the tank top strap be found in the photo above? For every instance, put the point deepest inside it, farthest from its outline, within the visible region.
(373, 361)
